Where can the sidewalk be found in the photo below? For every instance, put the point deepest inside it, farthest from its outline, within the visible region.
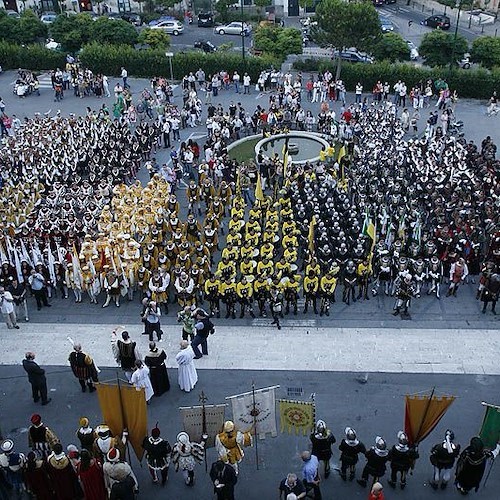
(258, 347)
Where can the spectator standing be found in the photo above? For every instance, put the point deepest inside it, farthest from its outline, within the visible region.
(204, 327)
(291, 485)
(18, 291)
(7, 308)
(246, 83)
(124, 75)
(39, 288)
(151, 317)
(224, 478)
(310, 473)
(36, 377)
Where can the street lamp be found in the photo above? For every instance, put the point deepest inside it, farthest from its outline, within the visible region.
(452, 60)
(242, 33)
(169, 55)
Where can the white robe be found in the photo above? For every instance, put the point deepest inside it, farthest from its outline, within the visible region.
(187, 371)
(140, 378)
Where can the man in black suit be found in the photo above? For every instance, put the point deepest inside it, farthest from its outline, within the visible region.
(224, 478)
(36, 377)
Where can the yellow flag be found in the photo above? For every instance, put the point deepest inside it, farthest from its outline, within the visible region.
(342, 153)
(259, 194)
(296, 415)
(311, 234)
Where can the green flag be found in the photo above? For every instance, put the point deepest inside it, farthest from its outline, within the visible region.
(490, 430)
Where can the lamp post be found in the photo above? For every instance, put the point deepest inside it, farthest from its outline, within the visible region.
(242, 33)
(169, 55)
(452, 60)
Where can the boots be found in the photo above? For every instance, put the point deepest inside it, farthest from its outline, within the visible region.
(108, 300)
(82, 383)
(91, 386)
(396, 311)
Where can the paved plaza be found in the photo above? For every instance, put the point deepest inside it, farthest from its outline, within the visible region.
(359, 362)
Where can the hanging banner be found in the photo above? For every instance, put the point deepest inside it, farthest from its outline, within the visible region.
(192, 421)
(123, 406)
(490, 430)
(298, 416)
(257, 407)
(423, 413)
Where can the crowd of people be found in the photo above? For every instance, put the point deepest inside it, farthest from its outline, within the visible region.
(98, 467)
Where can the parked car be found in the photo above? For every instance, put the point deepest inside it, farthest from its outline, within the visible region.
(464, 63)
(48, 17)
(352, 55)
(386, 24)
(154, 22)
(205, 20)
(234, 28)
(13, 13)
(171, 27)
(441, 22)
(414, 55)
(205, 45)
(114, 16)
(132, 18)
(52, 45)
(378, 3)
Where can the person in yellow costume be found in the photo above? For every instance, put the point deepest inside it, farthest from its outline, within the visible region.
(244, 289)
(327, 286)
(230, 443)
(211, 289)
(265, 266)
(229, 296)
(291, 290)
(363, 271)
(311, 285)
(248, 267)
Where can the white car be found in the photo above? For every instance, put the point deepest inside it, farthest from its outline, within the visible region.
(234, 28)
(414, 55)
(48, 17)
(171, 27)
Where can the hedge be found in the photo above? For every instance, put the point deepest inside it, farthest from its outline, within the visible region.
(33, 57)
(108, 59)
(473, 83)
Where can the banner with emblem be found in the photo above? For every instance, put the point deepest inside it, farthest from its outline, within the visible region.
(192, 421)
(298, 416)
(256, 408)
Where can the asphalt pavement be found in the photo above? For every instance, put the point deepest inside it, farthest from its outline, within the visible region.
(342, 399)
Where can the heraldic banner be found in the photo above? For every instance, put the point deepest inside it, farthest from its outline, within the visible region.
(123, 406)
(490, 430)
(192, 421)
(423, 413)
(297, 415)
(257, 407)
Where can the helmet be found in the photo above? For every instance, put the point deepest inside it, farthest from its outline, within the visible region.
(380, 443)
(449, 434)
(402, 438)
(350, 433)
(228, 426)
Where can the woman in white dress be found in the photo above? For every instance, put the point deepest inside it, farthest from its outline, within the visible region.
(187, 371)
(140, 379)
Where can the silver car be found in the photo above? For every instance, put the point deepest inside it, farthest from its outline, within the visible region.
(234, 28)
(171, 27)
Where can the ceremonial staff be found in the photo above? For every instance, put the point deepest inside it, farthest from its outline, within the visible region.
(203, 399)
(254, 413)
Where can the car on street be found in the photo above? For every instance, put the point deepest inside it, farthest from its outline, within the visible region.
(48, 17)
(354, 56)
(378, 3)
(114, 16)
(171, 27)
(442, 22)
(132, 18)
(13, 13)
(414, 55)
(386, 24)
(154, 22)
(205, 20)
(234, 28)
(205, 45)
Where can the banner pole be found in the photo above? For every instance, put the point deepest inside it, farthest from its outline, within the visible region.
(254, 414)
(250, 392)
(203, 399)
(417, 438)
(490, 405)
(123, 417)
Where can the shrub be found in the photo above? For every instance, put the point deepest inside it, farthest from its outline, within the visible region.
(474, 83)
(33, 57)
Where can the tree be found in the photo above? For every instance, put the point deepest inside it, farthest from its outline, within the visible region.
(345, 24)
(262, 4)
(30, 28)
(391, 47)
(222, 8)
(156, 39)
(437, 47)
(278, 41)
(486, 51)
(105, 30)
(72, 32)
(8, 27)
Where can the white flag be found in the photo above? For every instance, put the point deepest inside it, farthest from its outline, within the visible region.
(263, 413)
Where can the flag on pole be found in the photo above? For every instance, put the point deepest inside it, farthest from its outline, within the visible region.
(192, 421)
(298, 416)
(369, 228)
(259, 194)
(262, 411)
(490, 429)
(19, 271)
(342, 153)
(423, 413)
(310, 236)
(285, 158)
